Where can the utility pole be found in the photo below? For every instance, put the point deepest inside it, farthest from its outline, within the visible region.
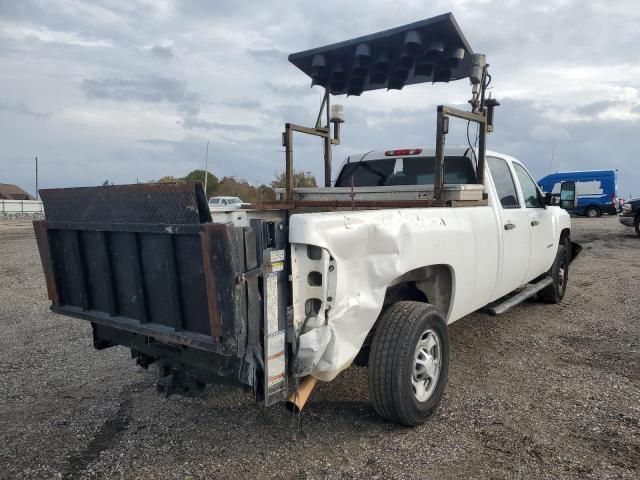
(37, 178)
(206, 171)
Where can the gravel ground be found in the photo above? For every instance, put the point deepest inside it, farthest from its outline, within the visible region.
(543, 391)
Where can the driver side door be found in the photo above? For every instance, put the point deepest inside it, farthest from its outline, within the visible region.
(543, 241)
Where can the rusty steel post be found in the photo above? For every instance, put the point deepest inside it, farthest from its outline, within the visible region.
(327, 144)
(288, 176)
(482, 152)
(438, 180)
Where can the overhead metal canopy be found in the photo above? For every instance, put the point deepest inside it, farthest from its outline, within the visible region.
(431, 50)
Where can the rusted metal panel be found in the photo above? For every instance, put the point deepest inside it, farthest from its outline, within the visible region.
(42, 239)
(210, 279)
(355, 204)
(154, 203)
(253, 295)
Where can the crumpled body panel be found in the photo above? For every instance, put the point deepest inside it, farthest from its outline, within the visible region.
(370, 250)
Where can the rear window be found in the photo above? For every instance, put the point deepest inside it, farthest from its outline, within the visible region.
(405, 171)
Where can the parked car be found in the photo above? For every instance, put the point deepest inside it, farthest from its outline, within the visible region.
(224, 203)
(596, 190)
(630, 214)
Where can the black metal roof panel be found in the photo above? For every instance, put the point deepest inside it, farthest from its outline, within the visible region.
(431, 50)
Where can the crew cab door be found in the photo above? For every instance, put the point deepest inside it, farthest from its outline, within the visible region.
(543, 242)
(514, 224)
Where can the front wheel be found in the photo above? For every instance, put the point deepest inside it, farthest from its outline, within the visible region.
(409, 362)
(636, 224)
(554, 293)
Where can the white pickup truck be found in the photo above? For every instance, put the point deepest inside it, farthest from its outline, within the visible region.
(395, 278)
(370, 270)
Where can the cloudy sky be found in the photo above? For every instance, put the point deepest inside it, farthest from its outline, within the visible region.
(126, 90)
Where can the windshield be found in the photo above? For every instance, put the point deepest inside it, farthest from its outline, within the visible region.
(234, 200)
(405, 171)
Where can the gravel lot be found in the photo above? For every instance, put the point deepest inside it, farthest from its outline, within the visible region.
(543, 391)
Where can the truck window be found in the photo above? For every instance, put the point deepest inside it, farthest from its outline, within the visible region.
(405, 171)
(529, 189)
(504, 182)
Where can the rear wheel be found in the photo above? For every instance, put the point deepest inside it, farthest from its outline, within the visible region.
(593, 212)
(636, 224)
(409, 362)
(554, 293)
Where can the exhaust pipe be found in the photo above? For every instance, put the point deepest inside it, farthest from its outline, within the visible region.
(297, 400)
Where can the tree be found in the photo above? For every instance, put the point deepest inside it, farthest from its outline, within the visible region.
(170, 179)
(266, 193)
(106, 183)
(301, 178)
(213, 184)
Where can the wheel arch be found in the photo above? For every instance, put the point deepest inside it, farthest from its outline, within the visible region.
(434, 284)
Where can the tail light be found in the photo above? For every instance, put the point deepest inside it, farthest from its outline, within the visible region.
(626, 208)
(406, 151)
(613, 200)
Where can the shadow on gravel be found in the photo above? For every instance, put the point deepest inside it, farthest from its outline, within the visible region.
(108, 434)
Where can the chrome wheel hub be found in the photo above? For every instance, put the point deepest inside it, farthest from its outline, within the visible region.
(427, 365)
(561, 273)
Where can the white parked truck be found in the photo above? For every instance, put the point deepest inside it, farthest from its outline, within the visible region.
(225, 204)
(368, 270)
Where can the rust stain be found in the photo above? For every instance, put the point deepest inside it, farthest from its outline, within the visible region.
(42, 239)
(210, 282)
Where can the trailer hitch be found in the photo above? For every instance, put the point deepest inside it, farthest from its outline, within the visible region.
(173, 381)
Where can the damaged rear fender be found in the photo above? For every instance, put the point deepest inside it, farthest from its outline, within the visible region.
(331, 329)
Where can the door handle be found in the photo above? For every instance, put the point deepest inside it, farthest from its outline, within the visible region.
(534, 223)
(509, 226)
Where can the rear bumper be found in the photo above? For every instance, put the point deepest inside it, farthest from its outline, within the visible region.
(627, 219)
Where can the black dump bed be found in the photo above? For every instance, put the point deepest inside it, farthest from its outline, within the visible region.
(147, 267)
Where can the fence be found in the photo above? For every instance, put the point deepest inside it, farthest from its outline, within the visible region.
(21, 206)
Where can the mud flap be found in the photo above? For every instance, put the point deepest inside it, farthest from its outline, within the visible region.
(575, 251)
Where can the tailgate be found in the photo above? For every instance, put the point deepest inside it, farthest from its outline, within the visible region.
(145, 265)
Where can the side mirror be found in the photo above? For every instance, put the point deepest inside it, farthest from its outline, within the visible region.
(568, 197)
(551, 199)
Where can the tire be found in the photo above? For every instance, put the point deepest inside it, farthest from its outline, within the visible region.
(592, 212)
(408, 331)
(636, 224)
(554, 293)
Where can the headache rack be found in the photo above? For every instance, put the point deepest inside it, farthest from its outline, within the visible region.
(432, 50)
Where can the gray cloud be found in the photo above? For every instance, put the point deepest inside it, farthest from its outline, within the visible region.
(233, 59)
(594, 108)
(22, 109)
(268, 54)
(546, 132)
(147, 89)
(153, 89)
(163, 53)
(242, 103)
(199, 123)
(290, 90)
